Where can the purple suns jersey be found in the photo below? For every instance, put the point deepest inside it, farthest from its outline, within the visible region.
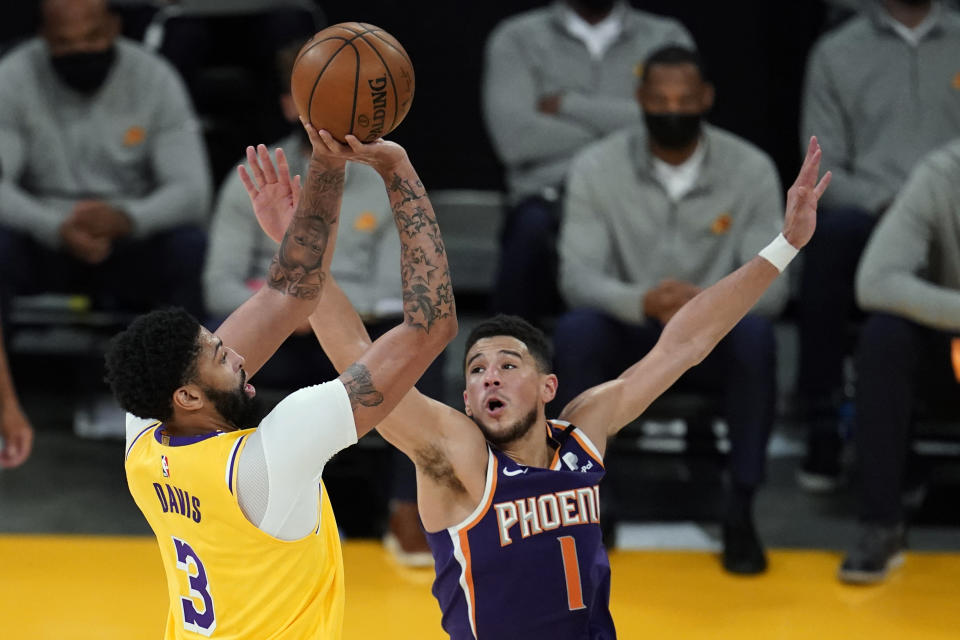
(529, 562)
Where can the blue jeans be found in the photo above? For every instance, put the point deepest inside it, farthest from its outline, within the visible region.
(592, 347)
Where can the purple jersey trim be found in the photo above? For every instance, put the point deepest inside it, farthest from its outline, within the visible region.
(134, 441)
(233, 461)
(182, 441)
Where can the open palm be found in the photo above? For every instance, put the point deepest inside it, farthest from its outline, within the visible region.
(273, 194)
(800, 218)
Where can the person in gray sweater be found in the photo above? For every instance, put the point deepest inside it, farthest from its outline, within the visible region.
(556, 79)
(365, 267)
(652, 216)
(882, 90)
(105, 185)
(909, 283)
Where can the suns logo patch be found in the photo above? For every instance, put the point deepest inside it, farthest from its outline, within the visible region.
(134, 135)
(722, 224)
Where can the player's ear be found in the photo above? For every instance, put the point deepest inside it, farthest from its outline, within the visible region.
(188, 398)
(549, 389)
(466, 403)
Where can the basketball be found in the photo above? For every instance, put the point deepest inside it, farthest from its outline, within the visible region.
(353, 78)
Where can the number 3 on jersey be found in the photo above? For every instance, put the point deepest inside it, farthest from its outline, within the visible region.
(205, 621)
(571, 570)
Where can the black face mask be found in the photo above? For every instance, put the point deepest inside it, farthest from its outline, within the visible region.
(673, 130)
(84, 72)
(595, 6)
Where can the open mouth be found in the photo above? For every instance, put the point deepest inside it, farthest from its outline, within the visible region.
(249, 390)
(495, 407)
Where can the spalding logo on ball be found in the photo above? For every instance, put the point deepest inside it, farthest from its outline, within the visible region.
(353, 78)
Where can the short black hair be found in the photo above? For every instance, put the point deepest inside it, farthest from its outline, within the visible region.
(673, 54)
(148, 360)
(515, 327)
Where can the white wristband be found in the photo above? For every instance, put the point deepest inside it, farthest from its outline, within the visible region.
(779, 253)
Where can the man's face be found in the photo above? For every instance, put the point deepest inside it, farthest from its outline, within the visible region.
(305, 242)
(78, 26)
(675, 88)
(222, 378)
(505, 391)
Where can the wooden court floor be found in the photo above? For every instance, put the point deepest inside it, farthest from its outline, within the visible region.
(105, 588)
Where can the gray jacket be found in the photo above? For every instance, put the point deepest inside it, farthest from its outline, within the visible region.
(366, 262)
(621, 234)
(878, 104)
(135, 143)
(911, 266)
(532, 55)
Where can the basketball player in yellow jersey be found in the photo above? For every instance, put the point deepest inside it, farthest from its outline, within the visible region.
(246, 533)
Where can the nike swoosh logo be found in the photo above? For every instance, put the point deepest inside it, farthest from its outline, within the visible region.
(514, 472)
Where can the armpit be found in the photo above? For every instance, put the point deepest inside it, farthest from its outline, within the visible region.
(435, 465)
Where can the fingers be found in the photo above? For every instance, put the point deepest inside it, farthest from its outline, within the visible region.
(295, 188)
(15, 451)
(823, 184)
(354, 142)
(312, 133)
(331, 143)
(811, 164)
(266, 164)
(283, 170)
(255, 169)
(251, 188)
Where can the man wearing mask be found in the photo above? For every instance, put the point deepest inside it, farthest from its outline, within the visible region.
(652, 215)
(882, 91)
(556, 79)
(103, 167)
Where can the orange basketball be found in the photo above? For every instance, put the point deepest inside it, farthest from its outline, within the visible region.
(353, 78)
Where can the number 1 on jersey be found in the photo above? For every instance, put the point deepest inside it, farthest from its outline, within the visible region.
(571, 570)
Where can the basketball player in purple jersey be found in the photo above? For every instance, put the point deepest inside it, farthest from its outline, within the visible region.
(509, 499)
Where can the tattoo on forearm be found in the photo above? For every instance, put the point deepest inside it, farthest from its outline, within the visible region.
(360, 388)
(297, 269)
(424, 273)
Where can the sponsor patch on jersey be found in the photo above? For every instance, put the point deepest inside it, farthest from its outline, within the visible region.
(571, 460)
(165, 466)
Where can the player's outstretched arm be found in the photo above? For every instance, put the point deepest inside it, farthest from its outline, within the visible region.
(701, 323)
(296, 275)
(388, 369)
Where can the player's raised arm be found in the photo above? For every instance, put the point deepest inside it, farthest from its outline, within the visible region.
(296, 275)
(701, 323)
(389, 368)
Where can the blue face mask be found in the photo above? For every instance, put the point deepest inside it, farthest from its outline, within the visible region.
(84, 72)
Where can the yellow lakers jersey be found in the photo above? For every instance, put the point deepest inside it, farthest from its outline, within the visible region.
(226, 578)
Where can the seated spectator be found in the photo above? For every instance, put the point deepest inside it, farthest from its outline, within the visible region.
(881, 92)
(653, 215)
(103, 167)
(365, 267)
(909, 283)
(16, 434)
(555, 80)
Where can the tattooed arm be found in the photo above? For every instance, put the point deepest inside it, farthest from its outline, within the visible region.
(297, 273)
(381, 374)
